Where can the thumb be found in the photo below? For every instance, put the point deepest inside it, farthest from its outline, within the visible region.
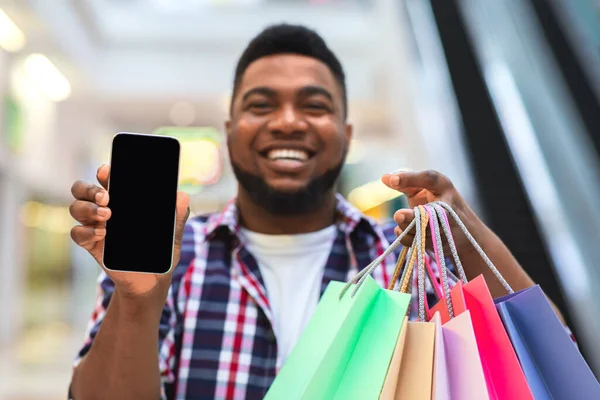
(182, 214)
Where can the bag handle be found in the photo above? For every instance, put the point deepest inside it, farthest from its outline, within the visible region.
(440, 207)
(416, 254)
(405, 258)
(437, 249)
(446, 227)
(421, 218)
(362, 275)
(399, 264)
(421, 238)
(440, 258)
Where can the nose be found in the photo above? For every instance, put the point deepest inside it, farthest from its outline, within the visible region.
(287, 121)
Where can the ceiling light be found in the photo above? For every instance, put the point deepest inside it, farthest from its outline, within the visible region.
(47, 77)
(12, 38)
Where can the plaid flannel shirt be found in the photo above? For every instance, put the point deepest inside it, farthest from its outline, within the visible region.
(216, 337)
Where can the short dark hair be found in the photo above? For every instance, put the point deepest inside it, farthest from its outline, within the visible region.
(290, 39)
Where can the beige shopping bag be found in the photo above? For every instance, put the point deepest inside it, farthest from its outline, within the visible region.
(410, 373)
(391, 380)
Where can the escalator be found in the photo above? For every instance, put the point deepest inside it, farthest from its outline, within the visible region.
(530, 129)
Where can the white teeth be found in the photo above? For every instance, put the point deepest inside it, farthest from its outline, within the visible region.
(287, 154)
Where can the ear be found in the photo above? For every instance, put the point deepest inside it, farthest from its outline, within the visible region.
(349, 131)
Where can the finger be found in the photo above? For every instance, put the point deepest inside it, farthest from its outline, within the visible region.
(86, 212)
(102, 175)
(86, 191)
(183, 212)
(404, 217)
(412, 182)
(87, 236)
(407, 240)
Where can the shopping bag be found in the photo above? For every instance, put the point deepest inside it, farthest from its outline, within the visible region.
(391, 380)
(416, 367)
(504, 375)
(501, 366)
(536, 383)
(346, 347)
(440, 389)
(466, 379)
(367, 368)
(554, 367)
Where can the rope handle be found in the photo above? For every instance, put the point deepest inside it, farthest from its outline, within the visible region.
(440, 259)
(359, 278)
(424, 216)
(446, 227)
(398, 269)
(437, 248)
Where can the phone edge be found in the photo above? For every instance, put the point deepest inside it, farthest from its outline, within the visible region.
(175, 215)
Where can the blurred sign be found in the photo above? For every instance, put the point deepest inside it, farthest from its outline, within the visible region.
(201, 156)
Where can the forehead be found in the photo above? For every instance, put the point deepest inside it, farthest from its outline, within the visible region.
(288, 72)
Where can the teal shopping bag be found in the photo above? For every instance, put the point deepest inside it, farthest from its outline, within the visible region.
(345, 350)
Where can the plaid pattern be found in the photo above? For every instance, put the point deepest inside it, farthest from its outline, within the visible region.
(216, 333)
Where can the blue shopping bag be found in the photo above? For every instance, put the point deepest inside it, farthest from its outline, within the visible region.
(553, 366)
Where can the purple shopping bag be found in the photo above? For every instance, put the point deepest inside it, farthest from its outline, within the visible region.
(553, 365)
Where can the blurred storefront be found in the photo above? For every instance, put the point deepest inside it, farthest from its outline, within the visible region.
(37, 163)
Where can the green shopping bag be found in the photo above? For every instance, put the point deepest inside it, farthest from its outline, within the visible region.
(346, 348)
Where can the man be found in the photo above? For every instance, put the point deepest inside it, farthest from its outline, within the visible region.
(247, 280)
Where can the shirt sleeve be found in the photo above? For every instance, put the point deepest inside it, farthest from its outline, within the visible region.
(166, 337)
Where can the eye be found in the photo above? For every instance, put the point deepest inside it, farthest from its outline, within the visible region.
(259, 106)
(319, 107)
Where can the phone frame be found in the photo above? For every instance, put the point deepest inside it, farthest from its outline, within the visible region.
(175, 214)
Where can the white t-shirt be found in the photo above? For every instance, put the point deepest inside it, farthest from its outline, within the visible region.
(292, 268)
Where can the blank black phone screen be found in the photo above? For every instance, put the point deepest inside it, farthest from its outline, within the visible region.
(142, 198)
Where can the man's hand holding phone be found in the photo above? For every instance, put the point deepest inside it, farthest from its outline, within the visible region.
(90, 209)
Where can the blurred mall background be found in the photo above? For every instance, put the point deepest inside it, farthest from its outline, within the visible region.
(502, 96)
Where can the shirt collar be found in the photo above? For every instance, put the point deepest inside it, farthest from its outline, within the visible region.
(348, 218)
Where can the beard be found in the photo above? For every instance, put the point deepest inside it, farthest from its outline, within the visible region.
(288, 203)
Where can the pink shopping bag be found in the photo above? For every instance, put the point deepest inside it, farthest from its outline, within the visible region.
(504, 375)
(464, 373)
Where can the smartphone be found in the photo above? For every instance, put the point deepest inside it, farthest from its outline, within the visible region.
(142, 190)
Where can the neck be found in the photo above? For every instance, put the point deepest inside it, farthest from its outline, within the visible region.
(255, 218)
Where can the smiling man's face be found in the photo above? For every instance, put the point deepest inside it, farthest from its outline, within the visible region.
(287, 137)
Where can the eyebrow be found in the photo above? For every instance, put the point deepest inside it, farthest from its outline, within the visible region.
(265, 91)
(305, 91)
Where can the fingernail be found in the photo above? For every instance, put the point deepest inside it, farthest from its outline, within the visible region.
(394, 180)
(103, 212)
(99, 197)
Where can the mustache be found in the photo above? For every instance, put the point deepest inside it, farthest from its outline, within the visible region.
(285, 203)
